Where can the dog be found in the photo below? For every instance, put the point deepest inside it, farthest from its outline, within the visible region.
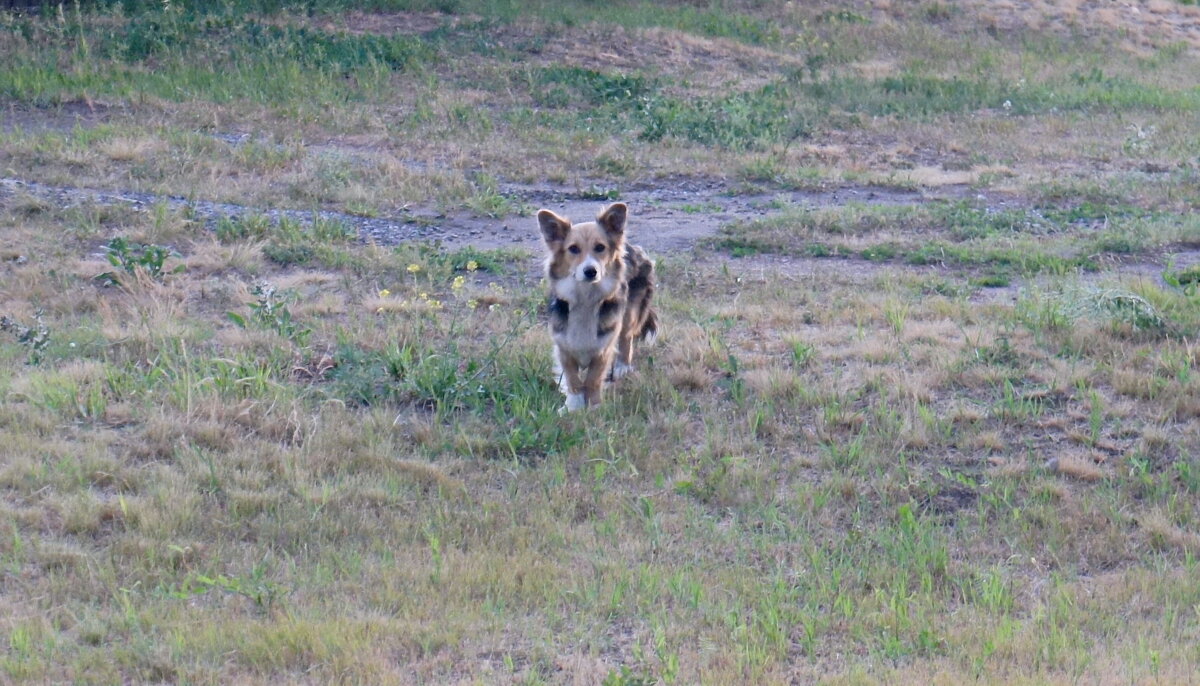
(600, 292)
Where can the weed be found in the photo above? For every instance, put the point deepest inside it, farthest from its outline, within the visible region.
(802, 352)
(270, 311)
(134, 257)
(1018, 407)
(34, 338)
(599, 193)
(739, 121)
(263, 592)
(250, 227)
(594, 86)
(437, 264)
(878, 253)
(1001, 352)
(992, 281)
(1186, 280)
(896, 313)
(843, 16)
(1114, 305)
(489, 202)
(294, 242)
(628, 677)
(1095, 417)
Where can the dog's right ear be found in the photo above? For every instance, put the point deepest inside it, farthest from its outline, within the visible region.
(554, 227)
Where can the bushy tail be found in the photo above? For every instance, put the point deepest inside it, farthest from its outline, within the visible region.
(650, 327)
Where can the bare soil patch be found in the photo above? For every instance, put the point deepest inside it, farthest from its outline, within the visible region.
(64, 117)
(668, 218)
(1144, 26)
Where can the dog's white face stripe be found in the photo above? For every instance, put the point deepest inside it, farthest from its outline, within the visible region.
(592, 265)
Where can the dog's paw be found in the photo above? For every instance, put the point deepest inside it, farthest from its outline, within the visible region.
(620, 369)
(575, 402)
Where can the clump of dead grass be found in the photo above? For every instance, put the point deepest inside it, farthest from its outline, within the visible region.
(1082, 468)
(1165, 534)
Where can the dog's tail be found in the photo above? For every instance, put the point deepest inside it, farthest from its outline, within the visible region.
(649, 332)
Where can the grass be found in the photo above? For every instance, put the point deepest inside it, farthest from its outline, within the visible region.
(956, 444)
(752, 94)
(309, 498)
(1057, 240)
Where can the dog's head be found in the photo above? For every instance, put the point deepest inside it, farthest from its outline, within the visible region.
(585, 251)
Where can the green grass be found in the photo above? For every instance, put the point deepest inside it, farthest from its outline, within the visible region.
(151, 55)
(419, 489)
(1056, 240)
(412, 95)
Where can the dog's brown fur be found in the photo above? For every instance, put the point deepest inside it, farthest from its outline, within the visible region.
(600, 291)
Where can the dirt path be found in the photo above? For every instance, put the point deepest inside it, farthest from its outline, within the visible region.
(668, 219)
(668, 216)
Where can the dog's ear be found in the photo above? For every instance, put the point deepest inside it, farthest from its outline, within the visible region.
(612, 219)
(554, 227)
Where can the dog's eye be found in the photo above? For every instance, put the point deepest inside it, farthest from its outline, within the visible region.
(574, 249)
(599, 247)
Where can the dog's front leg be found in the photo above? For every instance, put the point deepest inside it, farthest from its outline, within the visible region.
(571, 381)
(598, 368)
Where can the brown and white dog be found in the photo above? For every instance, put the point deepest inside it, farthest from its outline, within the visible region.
(600, 289)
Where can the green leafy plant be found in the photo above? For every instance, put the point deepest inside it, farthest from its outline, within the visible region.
(233, 229)
(263, 592)
(131, 257)
(1186, 279)
(270, 311)
(293, 241)
(435, 262)
(628, 677)
(802, 353)
(33, 338)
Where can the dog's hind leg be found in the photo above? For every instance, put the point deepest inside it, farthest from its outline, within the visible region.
(640, 323)
(649, 332)
(623, 364)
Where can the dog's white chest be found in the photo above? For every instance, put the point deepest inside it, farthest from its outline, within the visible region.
(581, 337)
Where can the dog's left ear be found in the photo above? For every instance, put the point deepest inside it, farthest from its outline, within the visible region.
(612, 219)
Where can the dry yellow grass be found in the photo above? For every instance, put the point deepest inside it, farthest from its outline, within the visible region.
(842, 469)
(1166, 534)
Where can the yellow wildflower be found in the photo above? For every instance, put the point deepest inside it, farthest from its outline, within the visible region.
(414, 268)
(472, 265)
(384, 293)
(459, 282)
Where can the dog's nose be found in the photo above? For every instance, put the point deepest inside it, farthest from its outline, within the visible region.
(589, 273)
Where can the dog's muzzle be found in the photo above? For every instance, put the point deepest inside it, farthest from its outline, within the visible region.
(588, 271)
